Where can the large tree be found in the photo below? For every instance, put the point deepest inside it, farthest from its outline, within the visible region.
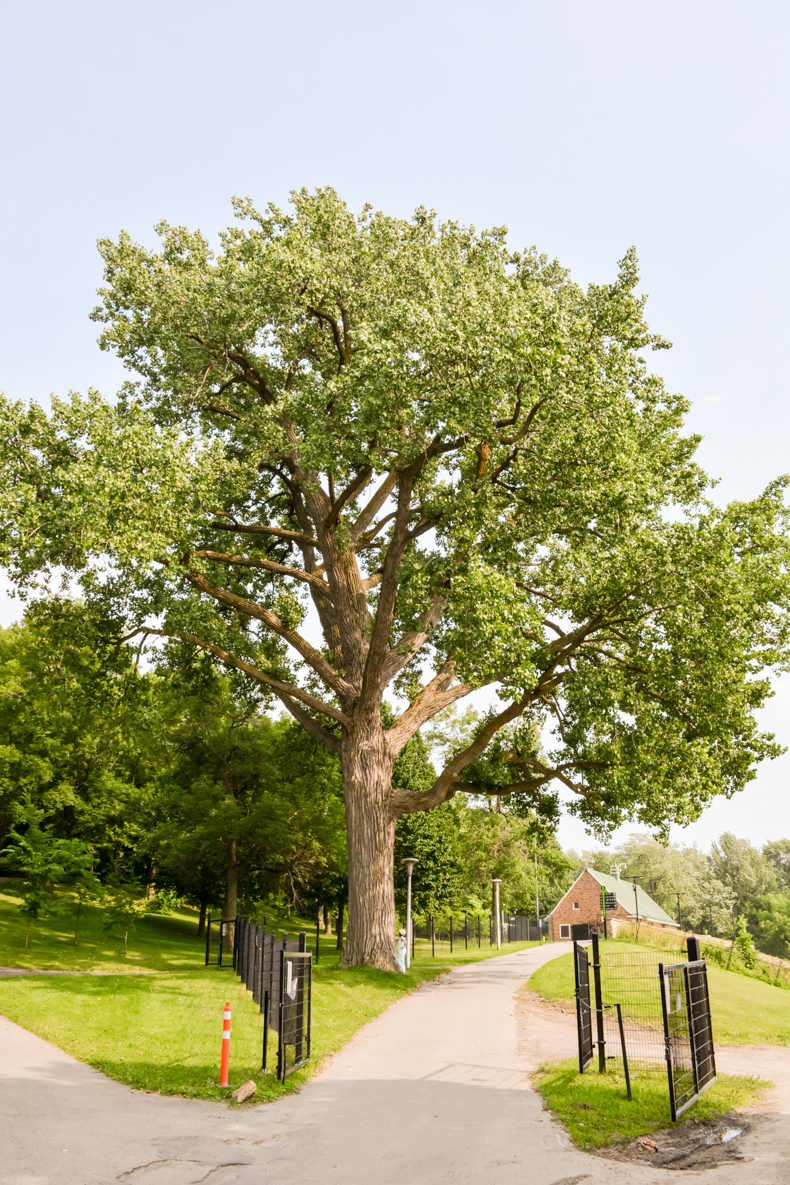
(456, 461)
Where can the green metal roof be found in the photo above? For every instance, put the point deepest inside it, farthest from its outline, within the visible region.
(625, 897)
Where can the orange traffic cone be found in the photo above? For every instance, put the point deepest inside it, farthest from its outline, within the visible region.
(225, 1059)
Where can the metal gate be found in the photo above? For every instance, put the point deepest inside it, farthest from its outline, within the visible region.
(583, 1010)
(294, 1007)
(688, 1036)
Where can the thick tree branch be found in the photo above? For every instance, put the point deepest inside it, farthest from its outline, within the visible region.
(409, 644)
(255, 529)
(310, 725)
(348, 495)
(288, 690)
(221, 411)
(373, 507)
(437, 694)
(250, 609)
(244, 561)
(447, 784)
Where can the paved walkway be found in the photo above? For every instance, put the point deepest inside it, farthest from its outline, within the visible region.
(434, 1091)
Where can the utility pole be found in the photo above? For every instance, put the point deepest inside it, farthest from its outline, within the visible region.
(680, 916)
(537, 898)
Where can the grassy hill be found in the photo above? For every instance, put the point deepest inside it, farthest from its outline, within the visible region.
(153, 1019)
(745, 1011)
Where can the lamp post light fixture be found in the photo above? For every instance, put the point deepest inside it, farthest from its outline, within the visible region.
(496, 882)
(409, 861)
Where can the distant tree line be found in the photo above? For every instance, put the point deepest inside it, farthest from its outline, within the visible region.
(710, 892)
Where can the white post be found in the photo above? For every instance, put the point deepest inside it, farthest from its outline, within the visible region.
(496, 882)
(409, 861)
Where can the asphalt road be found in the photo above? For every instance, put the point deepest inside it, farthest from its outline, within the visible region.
(434, 1091)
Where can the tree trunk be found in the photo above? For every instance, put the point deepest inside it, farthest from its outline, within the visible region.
(202, 918)
(370, 837)
(341, 909)
(327, 921)
(231, 896)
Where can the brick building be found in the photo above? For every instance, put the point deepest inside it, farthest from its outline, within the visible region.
(581, 906)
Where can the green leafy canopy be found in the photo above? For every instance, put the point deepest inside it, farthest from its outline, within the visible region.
(458, 459)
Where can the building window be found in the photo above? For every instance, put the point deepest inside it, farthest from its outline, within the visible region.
(565, 931)
(576, 905)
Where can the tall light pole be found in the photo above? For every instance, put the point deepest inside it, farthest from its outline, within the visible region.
(537, 895)
(409, 861)
(496, 882)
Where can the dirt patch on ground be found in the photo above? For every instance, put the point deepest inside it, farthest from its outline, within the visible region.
(695, 1144)
(546, 1030)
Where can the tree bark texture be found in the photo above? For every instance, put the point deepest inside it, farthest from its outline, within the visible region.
(370, 832)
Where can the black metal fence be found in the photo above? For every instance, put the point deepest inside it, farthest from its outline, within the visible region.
(688, 1034)
(219, 941)
(475, 930)
(649, 1016)
(581, 967)
(294, 1011)
(279, 974)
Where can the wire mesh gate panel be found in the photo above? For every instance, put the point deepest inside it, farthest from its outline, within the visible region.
(581, 967)
(294, 1009)
(631, 979)
(688, 1035)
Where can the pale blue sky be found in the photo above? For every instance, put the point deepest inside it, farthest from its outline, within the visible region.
(583, 126)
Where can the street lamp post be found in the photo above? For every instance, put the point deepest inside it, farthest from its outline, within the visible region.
(409, 861)
(496, 882)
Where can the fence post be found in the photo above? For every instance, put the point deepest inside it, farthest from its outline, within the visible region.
(694, 953)
(433, 939)
(302, 941)
(265, 1031)
(479, 940)
(625, 1053)
(208, 937)
(466, 931)
(317, 938)
(598, 1005)
(451, 933)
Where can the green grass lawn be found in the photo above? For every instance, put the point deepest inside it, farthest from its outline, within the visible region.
(162, 1032)
(157, 943)
(595, 1110)
(159, 1029)
(745, 1011)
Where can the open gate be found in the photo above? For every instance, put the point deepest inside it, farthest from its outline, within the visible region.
(688, 1036)
(581, 966)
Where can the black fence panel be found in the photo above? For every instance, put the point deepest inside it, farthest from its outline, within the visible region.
(294, 1011)
(688, 1034)
(520, 928)
(583, 1008)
